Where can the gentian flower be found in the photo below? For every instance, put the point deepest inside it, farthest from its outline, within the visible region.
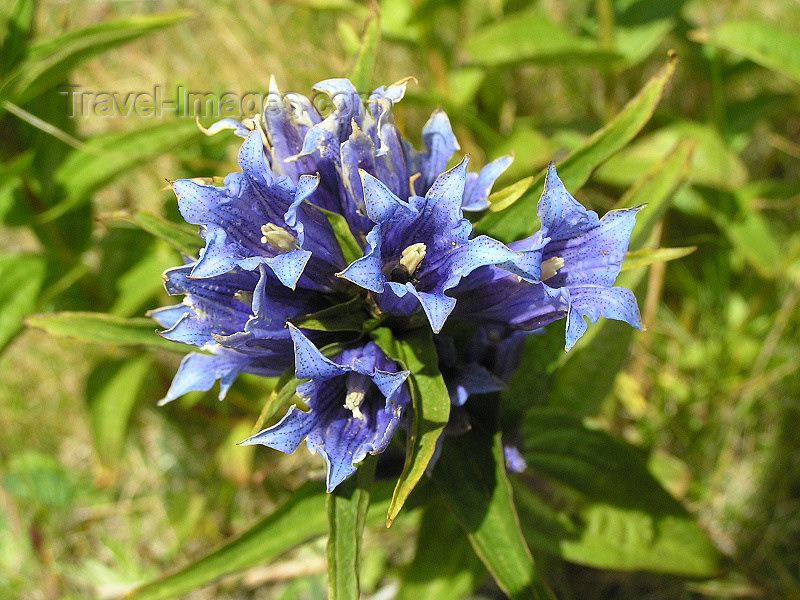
(580, 255)
(356, 402)
(419, 249)
(259, 218)
(238, 319)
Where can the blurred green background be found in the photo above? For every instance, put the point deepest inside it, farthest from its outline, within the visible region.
(101, 490)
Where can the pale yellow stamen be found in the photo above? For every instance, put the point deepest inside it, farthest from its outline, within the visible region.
(411, 181)
(278, 238)
(412, 256)
(551, 266)
(356, 391)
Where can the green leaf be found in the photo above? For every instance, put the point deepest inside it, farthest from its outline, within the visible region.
(19, 25)
(472, 478)
(364, 62)
(184, 238)
(430, 402)
(769, 47)
(629, 522)
(444, 567)
(515, 222)
(346, 316)
(21, 278)
(139, 284)
(110, 155)
(347, 512)
(301, 518)
(752, 237)
(714, 164)
(111, 393)
(49, 62)
(531, 37)
(655, 189)
(350, 248)
(504, 198)
(650, 256)
(11, 180)
(104, 329)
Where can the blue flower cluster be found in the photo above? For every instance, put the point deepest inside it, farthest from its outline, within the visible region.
(272, 255)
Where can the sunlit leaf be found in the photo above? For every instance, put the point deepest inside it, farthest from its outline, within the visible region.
(768, 46)
(654, 191)
(714, 164)
(651, 256)
(504, 198)
(430, 405)
(364, 62)
(49, 62)
(472, 478)
(111, 393)
(350, 248)
(515, 222)
(629, 522)
(105, 329)
(347, 512)
(109, 155)
(531, 37)
(301, 518)
(184, 238)
(21, 278)
(444, 567)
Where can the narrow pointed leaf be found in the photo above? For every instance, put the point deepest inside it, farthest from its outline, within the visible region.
(504, 198)
(655, 191)
(350, 248)
(182, 237)
(109, 155)
(104, 329)
(21, 278)
(650, 256)
(472, 478)
(430, 401)
(301, 518)
(364, 63)
(347, 511)
(772, 48)
(112, 390)
(445, 566)
(49, 62)
(347, 316)
(515, 222)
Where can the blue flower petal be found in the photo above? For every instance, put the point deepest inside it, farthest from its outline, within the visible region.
(309, 361)
(287, 434)
(441, 143)
(599, 301)
(381, 203)
(198, 372)
(479, 185)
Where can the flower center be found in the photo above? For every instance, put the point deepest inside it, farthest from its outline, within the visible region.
(551, 266)
(278, 238)
(356, 385)
(412, 256)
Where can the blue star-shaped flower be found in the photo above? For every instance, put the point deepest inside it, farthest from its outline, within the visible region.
(257, 218)
(579, 255)
(356, 402)
(419, 249)
(582, 257)
(238, 318)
